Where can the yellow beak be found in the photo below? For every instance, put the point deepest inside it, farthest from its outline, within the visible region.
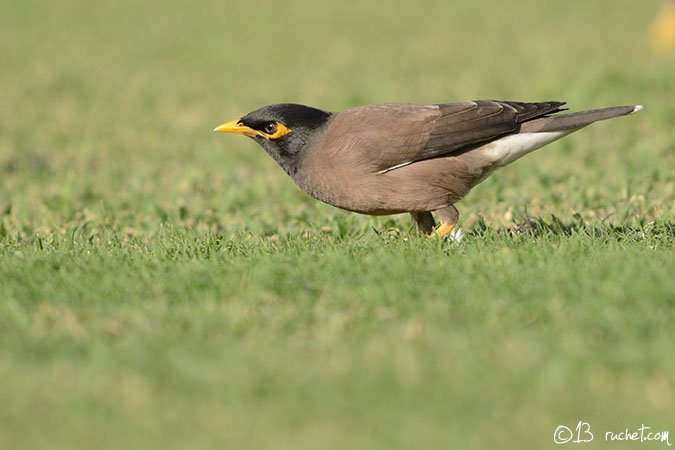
(236, 127)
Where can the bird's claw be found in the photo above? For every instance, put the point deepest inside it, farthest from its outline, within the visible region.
(449, 232)
(456, 235)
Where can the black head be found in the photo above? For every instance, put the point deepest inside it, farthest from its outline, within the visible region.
(282, 129)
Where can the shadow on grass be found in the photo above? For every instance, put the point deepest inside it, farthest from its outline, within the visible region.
(539, 227)
(179, 233)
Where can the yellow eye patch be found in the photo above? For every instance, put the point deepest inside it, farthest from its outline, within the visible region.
(280, 130)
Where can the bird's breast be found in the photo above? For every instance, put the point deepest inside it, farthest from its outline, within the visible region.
(421, 186)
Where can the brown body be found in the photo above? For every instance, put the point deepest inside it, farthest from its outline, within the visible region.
(352, 158)
(395, 158)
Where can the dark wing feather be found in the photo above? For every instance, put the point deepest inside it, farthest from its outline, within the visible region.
(383, 137)
(465, 124)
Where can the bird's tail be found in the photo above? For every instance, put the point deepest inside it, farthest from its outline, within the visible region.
(536, 133)
(574, 121)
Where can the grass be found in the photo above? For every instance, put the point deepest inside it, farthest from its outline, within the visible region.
(162, 286)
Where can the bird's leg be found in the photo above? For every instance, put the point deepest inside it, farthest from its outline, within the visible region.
(448, 217)
(424, 221)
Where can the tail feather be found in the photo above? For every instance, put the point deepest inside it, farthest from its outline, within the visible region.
(539, 132)
(574, 121)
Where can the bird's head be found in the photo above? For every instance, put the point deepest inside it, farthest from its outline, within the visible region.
(282, 130)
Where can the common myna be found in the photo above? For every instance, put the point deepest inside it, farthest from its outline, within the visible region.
(395, 158)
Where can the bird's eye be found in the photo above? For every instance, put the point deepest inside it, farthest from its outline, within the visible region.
(270, 128)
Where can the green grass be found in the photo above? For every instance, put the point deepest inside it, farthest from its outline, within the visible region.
(162, 286)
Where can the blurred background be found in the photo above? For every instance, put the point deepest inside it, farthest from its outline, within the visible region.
(109, 107)
(170, 286)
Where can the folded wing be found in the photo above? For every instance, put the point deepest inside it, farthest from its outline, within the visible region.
(387, 136)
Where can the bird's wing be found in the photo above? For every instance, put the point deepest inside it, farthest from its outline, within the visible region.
(461, 125)
(375, 137)
(384, 137)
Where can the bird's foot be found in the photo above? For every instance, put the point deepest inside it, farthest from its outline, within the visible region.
(444, 229)
(449, 232)
(457, 235)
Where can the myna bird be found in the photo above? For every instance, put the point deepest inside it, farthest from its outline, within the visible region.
(396, 158)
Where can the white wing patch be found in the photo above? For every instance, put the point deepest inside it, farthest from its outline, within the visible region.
(509, 148)
(397, 166)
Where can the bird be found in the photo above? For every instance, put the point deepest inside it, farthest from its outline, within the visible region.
(394, 158)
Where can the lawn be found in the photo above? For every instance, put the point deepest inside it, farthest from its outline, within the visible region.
(166, 287)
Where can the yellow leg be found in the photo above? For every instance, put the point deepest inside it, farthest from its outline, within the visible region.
(448, 218)
(444, 229)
